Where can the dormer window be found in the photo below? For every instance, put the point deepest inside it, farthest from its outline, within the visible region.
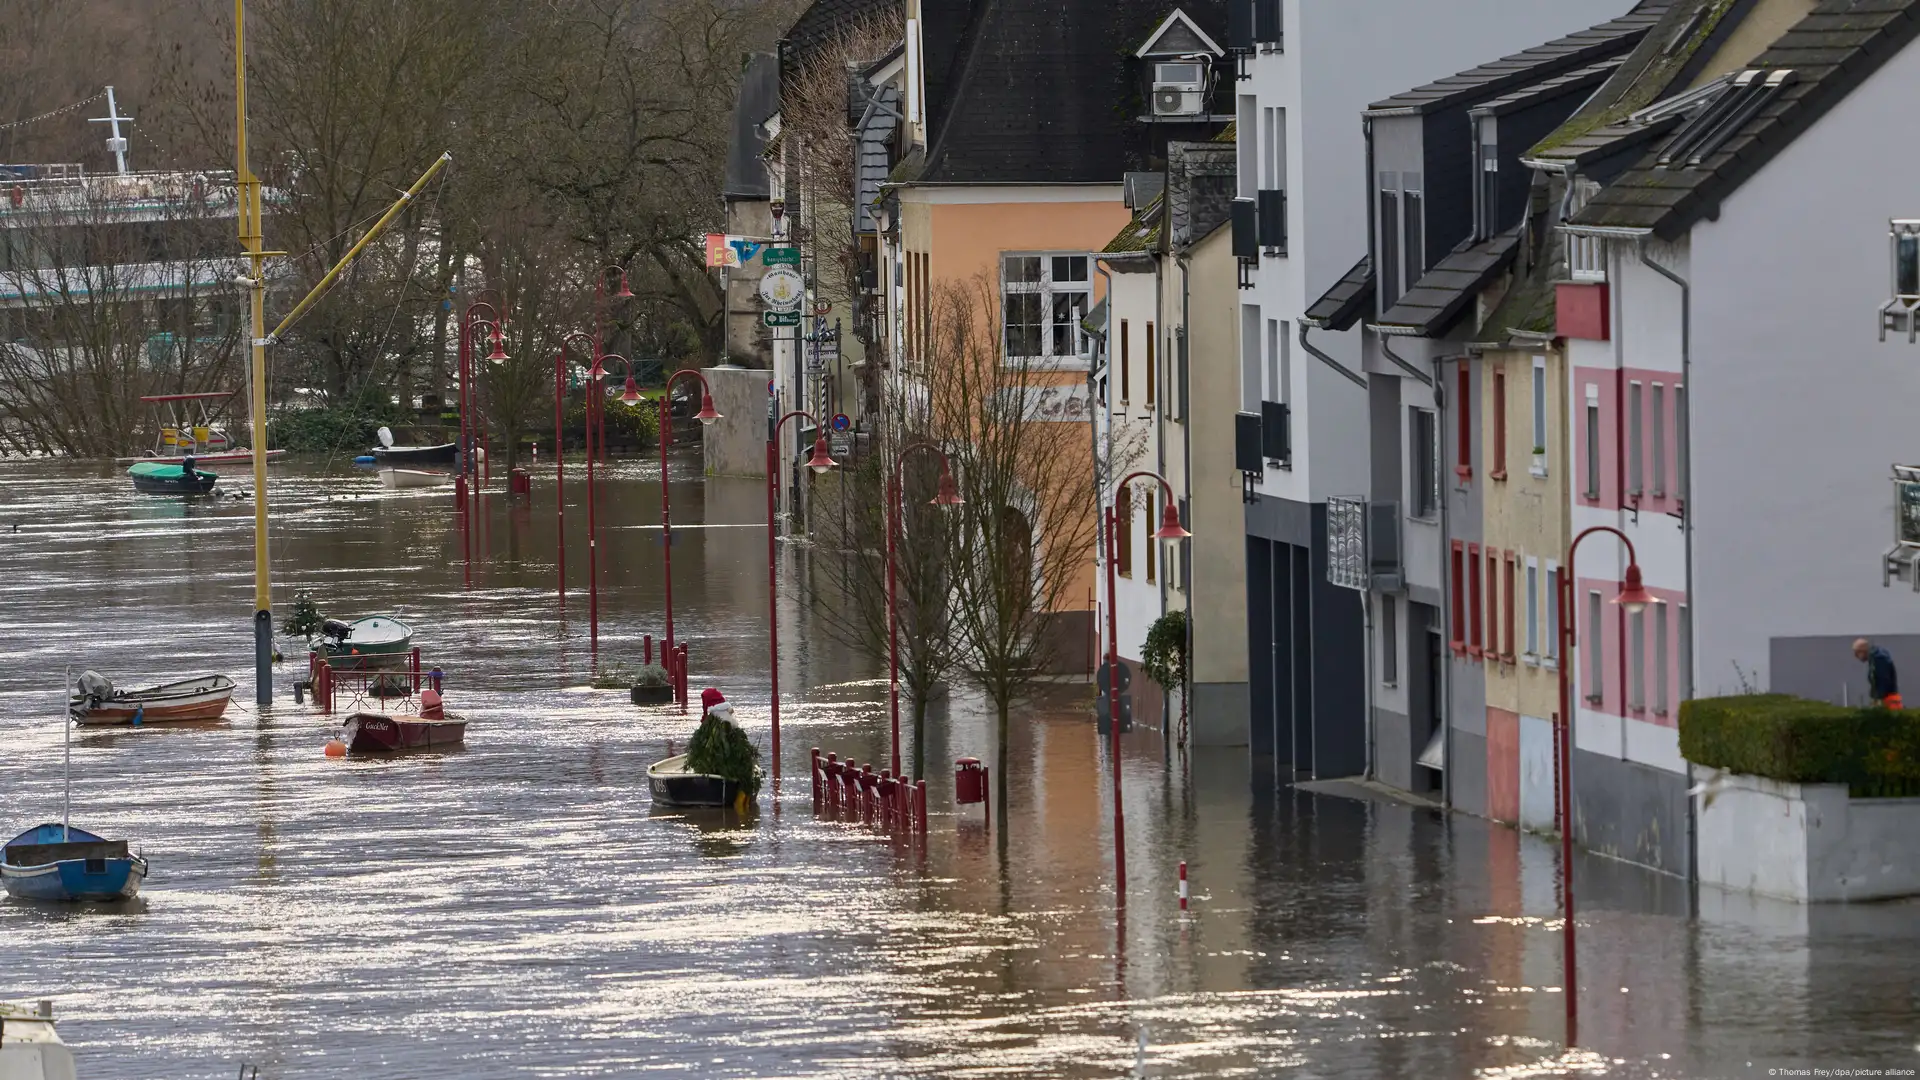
(1897, 314)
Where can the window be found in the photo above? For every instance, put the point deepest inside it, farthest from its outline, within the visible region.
(1553, 613)
(1277, 151)
(1387, 280)
(1685, 630)
(1497, 420)
(1593, 442)
(1250, 358)
(1272, 179)
(1152, 364)
(1637, 660)
(1635, 479)
(1474, 598)
(1274, 392)
(1660, 698)
(1586, 255)
(1414, 220)
(1463, 423)
(1046, 296)
(1489, 191)
(1424, 446)
(1283, 346)
(1659, 441)
(1540, 408)
(1389, 641)
(1247, 125)
(1681, 448)
(1533, 607)
(1507, 594)
(1123, 530)
(1459, 598)
(1596, 678)
(1126, 364)
(1178, 72)
(1493, 602)
(1154, 549)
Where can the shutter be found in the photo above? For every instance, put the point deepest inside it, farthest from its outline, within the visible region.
(1240, 25)
(1266, 21)
(1273, 221)
(1276, 431)
(1246, 443)
(1246, 240)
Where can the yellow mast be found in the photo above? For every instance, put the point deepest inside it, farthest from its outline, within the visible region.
(247, 188)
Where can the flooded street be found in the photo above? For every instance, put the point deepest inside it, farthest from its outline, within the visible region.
(518, 908)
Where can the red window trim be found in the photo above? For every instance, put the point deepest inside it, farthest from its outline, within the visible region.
(1493, 603)
(1464, 420)
(1473, 588)
(1458, 639)
(1497, 423)
(1507, 654)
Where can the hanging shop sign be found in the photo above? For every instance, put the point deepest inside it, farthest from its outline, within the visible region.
(783, 288)
(780, 318)
(781, 256)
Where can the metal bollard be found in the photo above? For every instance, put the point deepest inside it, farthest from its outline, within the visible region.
(1183, 886)
(885, 789)
(920, 804)
(649, 648)
(415, 662)
(867, 781)
(814, 772)
(832, 768)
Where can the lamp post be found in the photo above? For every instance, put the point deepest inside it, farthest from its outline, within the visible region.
(949, 496)
(1633, 599)
(596, 416)
(560, 502)
(820, 462)
(706, 415)
(1170, 531)
(496, 355)
(468, 320)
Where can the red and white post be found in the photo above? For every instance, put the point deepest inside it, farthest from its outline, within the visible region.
(1183, 887)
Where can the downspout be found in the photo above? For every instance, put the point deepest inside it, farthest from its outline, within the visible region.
(1386, 347)
(1186, 479)
(1101, 474)
(1357, 379)
(1445, 704)
(1686, 532)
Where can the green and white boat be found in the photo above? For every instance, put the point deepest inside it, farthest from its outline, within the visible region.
(377, 641)
(152, 478)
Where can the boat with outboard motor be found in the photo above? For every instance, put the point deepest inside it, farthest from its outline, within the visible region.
(93, 701)
(388, 453)
(154, 478)
(375, 641)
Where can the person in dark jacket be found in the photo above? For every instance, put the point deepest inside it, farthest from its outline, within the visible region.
(1883, 683)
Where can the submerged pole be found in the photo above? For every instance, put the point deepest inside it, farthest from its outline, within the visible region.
(66, 770)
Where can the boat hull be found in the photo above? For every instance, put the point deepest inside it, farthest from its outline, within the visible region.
(172, 703)
(373, 733)
(442, 454)
(672, 785)
(413, 478)
(378, 641)
(171, 480)
(53, 862)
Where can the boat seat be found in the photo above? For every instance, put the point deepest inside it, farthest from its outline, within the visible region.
(42, 854)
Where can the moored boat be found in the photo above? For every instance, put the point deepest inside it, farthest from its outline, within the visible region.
(58, 862)
(437, 454)
(366, 732)
(672, 784)
(152, 478)
(413, 478)
(375, 641)
(94, 702)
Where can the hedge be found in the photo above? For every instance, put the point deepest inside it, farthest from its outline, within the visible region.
(1875, 752)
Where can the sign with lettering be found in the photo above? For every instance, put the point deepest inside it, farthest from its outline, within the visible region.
(781, 256)
(780, 318)
(782, 288)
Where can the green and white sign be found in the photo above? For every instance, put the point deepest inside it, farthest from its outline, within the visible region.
(780, 318)
(781, 256)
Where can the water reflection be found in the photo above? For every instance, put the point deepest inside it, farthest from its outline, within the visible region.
(521, 908)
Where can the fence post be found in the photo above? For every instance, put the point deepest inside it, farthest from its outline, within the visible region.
(814, 772)
(414, 661)
(684, 677)
(868, 782)
(986, 789)
(325, 684)
(833, 781)
(920, 804)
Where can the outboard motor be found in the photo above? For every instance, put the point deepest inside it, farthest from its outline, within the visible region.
(335, 629)
(90, 690)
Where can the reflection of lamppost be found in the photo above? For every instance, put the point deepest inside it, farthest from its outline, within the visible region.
(949, 496)
(820, 462)
(706, 415)
(560, 502)
(497, 355)
(596, 417)
(468, 320)
(1170, 531)
(1633, 599)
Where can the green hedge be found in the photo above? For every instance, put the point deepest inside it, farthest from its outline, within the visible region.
(1875, 752)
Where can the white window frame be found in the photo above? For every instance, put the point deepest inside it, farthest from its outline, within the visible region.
(1047, 289)
(1637, 660)
(1539, 466)
(1586, 255)
(1551, 656)
(1592, 436)
(1533, 610)
(1636, 431)
(1423, 477)
(1659, 441)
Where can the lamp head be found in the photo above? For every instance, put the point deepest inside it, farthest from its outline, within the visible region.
(1633, 596)
(949, 491)
(707, 414)
(498, 354)
(821, 462)
(1170, 529)
(625, 292)
(632, 394)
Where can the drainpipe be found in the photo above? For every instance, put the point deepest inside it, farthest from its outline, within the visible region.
(1102, 474)
(1439, 385)
(1386, 347)
(1686, 532)
(1357, 379)
(1186, 478)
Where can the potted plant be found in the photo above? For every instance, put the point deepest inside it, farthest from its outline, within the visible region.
(651, 686)
(1164, 658)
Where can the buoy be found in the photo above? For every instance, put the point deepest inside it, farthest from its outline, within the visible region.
(363, 459)
(336, 748)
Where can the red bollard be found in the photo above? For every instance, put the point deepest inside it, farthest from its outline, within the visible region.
(460, 493)
(832, 769)
(323, 688)
(920, 804)
(867, 781)
(884, 788)
(1183, 886)
(815, 774)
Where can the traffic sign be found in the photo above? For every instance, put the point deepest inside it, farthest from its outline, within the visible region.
(1126, 676)
(1103, 714)
(781, 256)
(780, 318)
(840, 422)
(841, 445)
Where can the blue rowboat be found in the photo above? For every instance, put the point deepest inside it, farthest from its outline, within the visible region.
(54, 862)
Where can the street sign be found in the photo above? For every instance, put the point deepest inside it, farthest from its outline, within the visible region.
(1103, 714)
(840, 422)
(840, 445)
(781, 256)
(780, 318)
(821, 307)
(783, 288)
(1126, 676)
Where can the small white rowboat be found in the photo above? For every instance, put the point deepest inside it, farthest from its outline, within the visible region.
(203, 697)
(414, 478)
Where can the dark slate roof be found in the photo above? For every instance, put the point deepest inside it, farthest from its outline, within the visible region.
(1831, 51)
(1201, 178)
(1443, 292)
(1144, 232)
(874, 135)
(1612, 38)
(1572, 82)
(759, 99)
(1040, 91)
(1350, 298)
(822, 22)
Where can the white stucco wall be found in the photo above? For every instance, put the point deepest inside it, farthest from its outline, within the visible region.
(1798, 408)
(1134, 303)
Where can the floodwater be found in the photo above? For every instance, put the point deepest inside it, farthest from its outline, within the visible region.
(519, 909)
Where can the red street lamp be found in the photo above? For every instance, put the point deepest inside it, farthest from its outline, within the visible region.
(821, 462)
(1170, 531)
(1633, 599)
(596, 418)
(948, 497)
(706, 415)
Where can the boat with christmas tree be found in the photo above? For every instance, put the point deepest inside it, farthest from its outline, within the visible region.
(720, 768)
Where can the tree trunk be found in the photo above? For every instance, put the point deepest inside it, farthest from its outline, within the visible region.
(1000, 782)
(919, 736)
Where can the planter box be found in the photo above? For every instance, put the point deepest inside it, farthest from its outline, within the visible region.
(652, 695)
(1809, 843)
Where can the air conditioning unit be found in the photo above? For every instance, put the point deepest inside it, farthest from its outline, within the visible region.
(1180, 89)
